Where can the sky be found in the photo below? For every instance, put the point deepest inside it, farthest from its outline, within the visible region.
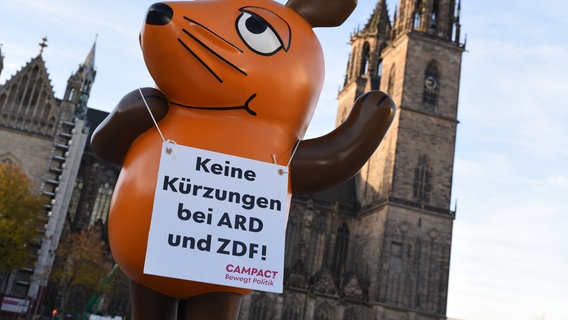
(510, 186)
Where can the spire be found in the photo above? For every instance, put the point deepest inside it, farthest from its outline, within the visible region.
(379, 20)
(79, 84)
(395, 15)
(90, 60)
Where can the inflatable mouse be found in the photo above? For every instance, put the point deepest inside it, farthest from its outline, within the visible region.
(239, 77)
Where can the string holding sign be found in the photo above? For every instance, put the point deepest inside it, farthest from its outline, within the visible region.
(170, 148)
(281, 171)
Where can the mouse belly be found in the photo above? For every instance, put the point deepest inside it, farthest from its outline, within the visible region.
(129, 222)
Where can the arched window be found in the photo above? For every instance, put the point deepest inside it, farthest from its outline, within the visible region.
(317, 243)
(364, 63)
(417, 18)
(380, 68)
(22, 87)
(340, 252)
(434, 18)
(422, 181)
(291, 237)
(431, 86)
(102, 200)
(102, 203)
(36, 94)
(2, 99)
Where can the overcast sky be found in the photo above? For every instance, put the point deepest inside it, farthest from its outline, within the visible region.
(510, 243)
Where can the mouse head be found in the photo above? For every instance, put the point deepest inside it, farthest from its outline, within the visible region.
(258, 58)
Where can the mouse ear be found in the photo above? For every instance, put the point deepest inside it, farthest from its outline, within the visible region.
(323, 13)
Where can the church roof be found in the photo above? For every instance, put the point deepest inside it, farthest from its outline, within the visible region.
(27, 100)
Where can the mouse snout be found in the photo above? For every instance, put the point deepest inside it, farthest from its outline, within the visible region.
(159, 14)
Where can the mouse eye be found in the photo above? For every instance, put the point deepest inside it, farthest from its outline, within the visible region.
(257, 34)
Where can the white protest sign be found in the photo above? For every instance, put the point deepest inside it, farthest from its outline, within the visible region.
(218, 219)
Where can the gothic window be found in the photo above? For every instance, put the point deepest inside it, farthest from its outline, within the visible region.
(434, 18)
(364, 59)
(417, 19)
(376, 84)
(291, 237)
(422, 181)
(35, 96)
(380, 68)
(30, 86)
(317, 243)
(102, 203)
(86, 86)
(431, 86)
(22, 86)
(430, 256)
(390, 84)
(102, 199)
(340, 252)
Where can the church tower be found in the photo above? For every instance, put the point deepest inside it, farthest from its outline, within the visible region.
(79, 84)
(405, 189)
(378, 246)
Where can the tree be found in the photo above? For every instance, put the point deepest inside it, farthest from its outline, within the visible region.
(81, 267)
(21, 219)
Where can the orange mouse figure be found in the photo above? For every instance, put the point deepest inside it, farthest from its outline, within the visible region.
(239, 77)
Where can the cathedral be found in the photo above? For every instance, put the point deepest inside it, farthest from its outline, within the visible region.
(376, 247)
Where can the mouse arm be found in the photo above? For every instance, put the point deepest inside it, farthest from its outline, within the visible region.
(129, 119)
(326, 161)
